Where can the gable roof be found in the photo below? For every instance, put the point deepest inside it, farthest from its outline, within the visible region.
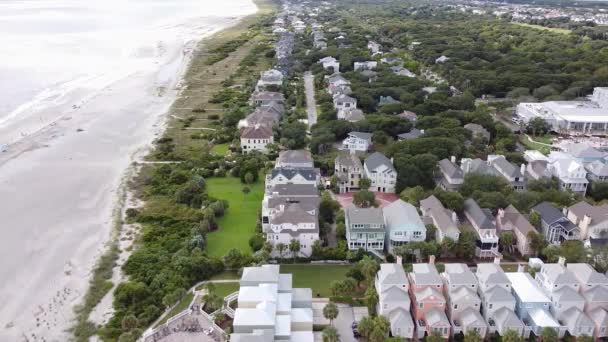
(599, 316)
(377, 159)
(477, 129)
(463, 293)
(361, 135)
(307, 173)
(596, 294)
(471, 317)
(364, 215)
(502, 164)
(519, 221)
(492, 274)
(354, 115)
(399, 214)
(425, 274)
(498, 294)
(433, 207)
(395, 294)
(506, 318)
(295, 213)
(427, 293)
(392, 274)
(574, 317)
(435, 316)
(597, 213)
(482, 217)
(549, 213)
(257, 132)
(459, 274)
(400, 318)
(587, 274)
(344, 98)
(597, 168)
(450, 169)
(558, 274)
(348, 160)
(412, 134)
(294, 157)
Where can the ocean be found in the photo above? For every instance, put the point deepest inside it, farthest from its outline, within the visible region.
(53, 52)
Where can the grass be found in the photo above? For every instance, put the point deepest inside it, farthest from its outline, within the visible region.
(534, 145)
(220, 149)
(238, 224)
(226, 275)
(317, 277)
(543, 28)
(181, 306)
(224, 289)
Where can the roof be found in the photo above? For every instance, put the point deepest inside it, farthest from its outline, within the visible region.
(505, 317)
(364, 215)
(377, 159)
(361, 135)
(566, 294)
(597, 214)
(498, 294)
(551, 214)
(344, 98)
(257, 132)
(433, 207)
(526, 288)
(597, 168)
(400, 318)
(558, 274)
(519, 221)
(471, 317)
(506, 167)
(265, 274)
(307, 173)
(436, 316)
(267, 96)
(586, 274)
(400, 214)
(492, 274)
(599, 316)
(425, 274)
(395, 294)
(583, 151)
(463, 293)
(307, 190)
(459, 274)
(294, 157)
(392, 274)
(348, 160)
(543, 318)
(574, 317)
(412, 134)
(295, 213)
(477, 166)
(482, 217)
(354, 115)
(450, 169)
(477, 129)
(596, 294)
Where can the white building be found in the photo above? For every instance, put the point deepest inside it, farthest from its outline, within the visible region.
(367, 65)
(270, 77)
(269, 309)
(256, 138)
(365, 228)
(571, 173)
(393, 300)
(403, 224)
(380, 170)
(573, 117)
(330, 62)
(357, 142)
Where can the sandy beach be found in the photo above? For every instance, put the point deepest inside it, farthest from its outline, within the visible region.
(59, 182)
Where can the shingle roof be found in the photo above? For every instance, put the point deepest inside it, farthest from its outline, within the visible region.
(256, 132)
(361, 135)
(599, 316)
(459, 274)
(452, 170)
(558, 274)
(506, 318)
(290, 157)
(400, 214)
(295, 213)
(344, 98)
(307, 173)
(294, 190)
(566, 294)
(512, 215)
(463, 293)
(492, 274)
(597, 214)
(354, 115)
(433, 207)
(364, 215)
(392, 274)
(586, 274)
(498, 294)
(481, 217)
(267, 96)
(597, 168)
(596, 294)
(400, 318)
(377, 159)
(575, 318)
(550, 214)
(506, 167)
(412, 134)
(349, 160)
(395, 294)
(425, 274)
(436, 316)
(471, 317)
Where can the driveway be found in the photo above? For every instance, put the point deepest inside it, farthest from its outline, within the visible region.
(343, 323)
(311, 104)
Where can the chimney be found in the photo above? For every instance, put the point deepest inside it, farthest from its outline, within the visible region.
(561, 261)
(453, 159)
(522, 169)
(454, 217)
(520, 268)
(432, 260)
(399, 260)
(497, 260)
(422, 132)
(392, 160)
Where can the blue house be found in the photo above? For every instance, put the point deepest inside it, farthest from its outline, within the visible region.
(403, 224)
(532, 304)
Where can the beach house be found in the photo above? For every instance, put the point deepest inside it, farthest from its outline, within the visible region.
(403, 225)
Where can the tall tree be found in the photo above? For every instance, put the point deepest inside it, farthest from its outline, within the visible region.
(472, 336)
(330, 312)
(294, 248)
(512, 336)
(281, 247)
(330, 334)
(548, 335)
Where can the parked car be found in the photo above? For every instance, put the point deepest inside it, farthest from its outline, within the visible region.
(355, 328)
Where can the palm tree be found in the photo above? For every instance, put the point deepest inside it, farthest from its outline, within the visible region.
(281, 247)
(330, 312)
(366, 326)
(548, 335)
(512, 336)
(472, 336)
(294, 248)
(371, 298)
(330, 334)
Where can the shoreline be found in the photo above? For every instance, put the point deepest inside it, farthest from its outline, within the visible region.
(51, 320)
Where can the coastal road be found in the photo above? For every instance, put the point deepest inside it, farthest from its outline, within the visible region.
(311, 104)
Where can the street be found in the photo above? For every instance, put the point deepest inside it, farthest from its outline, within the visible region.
(311, 104)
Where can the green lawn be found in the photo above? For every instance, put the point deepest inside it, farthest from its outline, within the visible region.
(224, 289)
(238, 224)
(226, 275)
(536, 146)
(181, 306)
(543, 28)
(317, 277)
(220, 149)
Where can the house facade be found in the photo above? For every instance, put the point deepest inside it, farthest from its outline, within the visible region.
(426, 292)
(344, 102)
(403, 225)
(394, 303)
(511, 220)
(348, 171)
(365, 228)
(591, 220)
(357, 142)
(381, 172)
(291, 175)
(483, 222)
(256, 138)
(451, 176)
(555, 226)
(570, 172)
(443, 219)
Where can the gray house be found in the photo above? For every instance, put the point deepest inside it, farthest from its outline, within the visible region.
(365, 228)
(450, 175)
(483, 222)
(478, 131)
(555, 225)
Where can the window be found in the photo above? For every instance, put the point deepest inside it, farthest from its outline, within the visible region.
(421, 305)
(455, 306)
(490, 306)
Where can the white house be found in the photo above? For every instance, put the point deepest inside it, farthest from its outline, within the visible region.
(403, 224)
(365, 228)
(294, 221)
(291, 175)
(330, 62)
(463, 302)
(592, 220)
(270, 77)
(357, 142)
(344, 102)
(367, 65)
(380, 170)
(270, 309)
(294, 158)
(483, 222)
(256, 138)
(571, 173)
(392, 287)
(373, 47)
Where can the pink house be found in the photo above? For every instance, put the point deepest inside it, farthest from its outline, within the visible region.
(428, 302)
